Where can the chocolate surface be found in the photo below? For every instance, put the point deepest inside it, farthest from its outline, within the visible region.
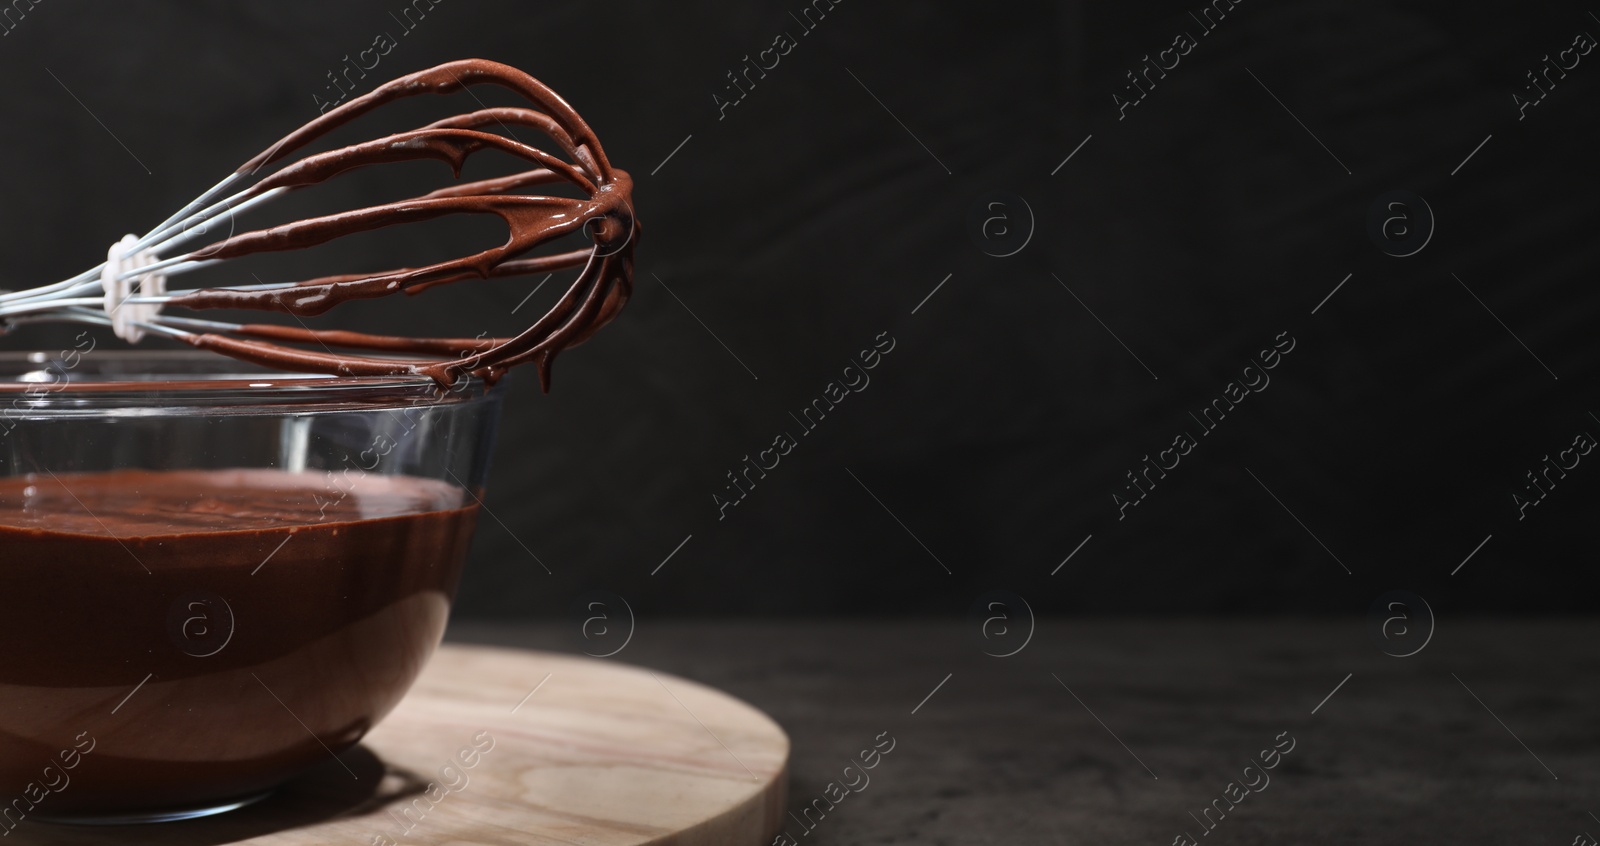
(190, 637)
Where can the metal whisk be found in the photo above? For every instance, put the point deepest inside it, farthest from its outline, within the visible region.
(129, 291)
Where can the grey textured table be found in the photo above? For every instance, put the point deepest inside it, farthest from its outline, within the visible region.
(1108, 732)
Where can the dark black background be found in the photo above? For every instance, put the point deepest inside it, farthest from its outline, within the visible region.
(807, 219)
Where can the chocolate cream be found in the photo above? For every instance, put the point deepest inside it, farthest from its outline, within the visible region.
(183, 638)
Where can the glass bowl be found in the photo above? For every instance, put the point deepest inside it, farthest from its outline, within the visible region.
(214, 576)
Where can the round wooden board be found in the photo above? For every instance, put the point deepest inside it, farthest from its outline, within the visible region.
(568, 750)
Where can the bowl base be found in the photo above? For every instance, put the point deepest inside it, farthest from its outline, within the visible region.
(170, 815)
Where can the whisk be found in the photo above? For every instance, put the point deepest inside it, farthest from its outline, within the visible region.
(129, 291)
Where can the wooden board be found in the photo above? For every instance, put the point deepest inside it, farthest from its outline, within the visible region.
(563, 750)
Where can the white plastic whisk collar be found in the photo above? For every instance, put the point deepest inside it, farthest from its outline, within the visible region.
(118, 278)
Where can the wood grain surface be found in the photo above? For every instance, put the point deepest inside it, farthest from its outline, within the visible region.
(498, 746)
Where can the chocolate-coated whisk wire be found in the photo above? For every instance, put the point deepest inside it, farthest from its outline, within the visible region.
(129, 291)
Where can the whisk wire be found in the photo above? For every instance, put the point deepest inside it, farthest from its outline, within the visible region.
(130, 287)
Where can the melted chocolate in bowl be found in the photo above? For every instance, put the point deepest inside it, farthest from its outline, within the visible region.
(177, 639)
(190, 638)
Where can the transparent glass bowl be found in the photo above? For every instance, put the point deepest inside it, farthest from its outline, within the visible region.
(214, 577)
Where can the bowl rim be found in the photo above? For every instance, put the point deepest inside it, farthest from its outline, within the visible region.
(38, 382)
